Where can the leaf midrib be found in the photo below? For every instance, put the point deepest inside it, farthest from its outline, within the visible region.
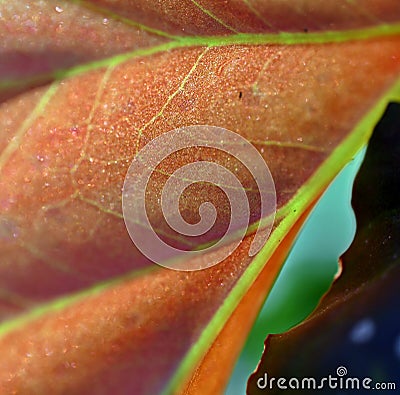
(249, 39)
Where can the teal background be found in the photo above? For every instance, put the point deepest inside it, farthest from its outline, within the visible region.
(307, 273)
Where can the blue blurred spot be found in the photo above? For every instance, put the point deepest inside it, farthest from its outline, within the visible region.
(397, 347)
(363, 331)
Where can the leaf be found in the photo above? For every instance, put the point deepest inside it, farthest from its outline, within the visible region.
(308, 272)
(83, 311)
(209, 378)
(42, 40)
(356, 324)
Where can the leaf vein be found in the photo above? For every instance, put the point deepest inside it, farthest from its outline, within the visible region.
(171, 97)
(16, 141)
(213, 16)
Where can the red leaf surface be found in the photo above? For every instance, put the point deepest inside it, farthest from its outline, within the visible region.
(124, 326)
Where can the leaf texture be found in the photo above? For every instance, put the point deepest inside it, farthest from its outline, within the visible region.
(83, 310)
